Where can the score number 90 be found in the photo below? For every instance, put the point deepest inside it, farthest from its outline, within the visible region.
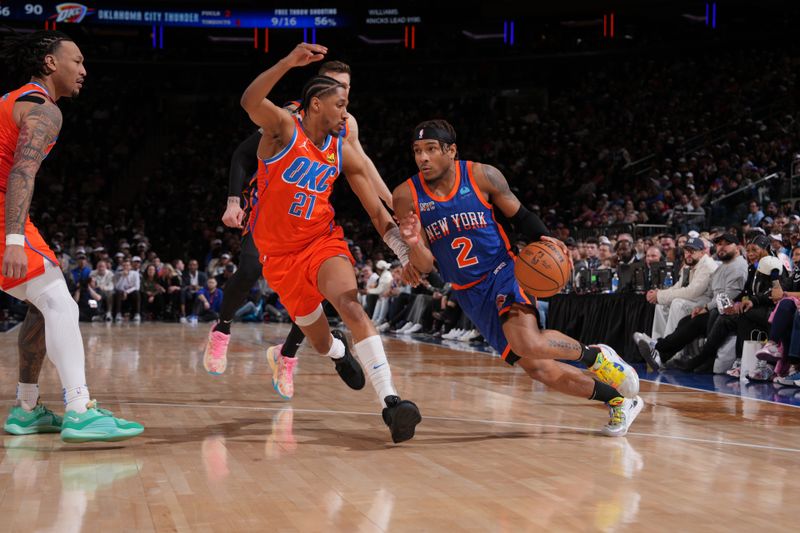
(30, 9)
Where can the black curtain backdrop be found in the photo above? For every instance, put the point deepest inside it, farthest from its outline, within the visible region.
(602, 318)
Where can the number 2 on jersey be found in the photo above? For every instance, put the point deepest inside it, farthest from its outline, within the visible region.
(304, 205)
(465, 246)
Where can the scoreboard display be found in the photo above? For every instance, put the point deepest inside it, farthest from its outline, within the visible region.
(113, 13)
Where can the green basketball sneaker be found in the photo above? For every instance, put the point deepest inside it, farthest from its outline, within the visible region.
(40, 420)
(97, 425)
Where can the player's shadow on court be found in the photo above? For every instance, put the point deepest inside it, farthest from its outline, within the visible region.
(239, 427)
(311, 432)
(257, 430)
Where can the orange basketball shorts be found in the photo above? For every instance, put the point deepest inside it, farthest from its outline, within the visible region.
(294, 276)
(35, 248)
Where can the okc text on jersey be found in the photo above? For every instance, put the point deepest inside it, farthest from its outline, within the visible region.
(307, 174)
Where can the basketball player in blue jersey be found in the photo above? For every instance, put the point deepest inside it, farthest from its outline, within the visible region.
(446, 215)
(243, 164)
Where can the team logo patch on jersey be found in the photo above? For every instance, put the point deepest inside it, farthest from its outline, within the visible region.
(464, 191)
(331, 158)
(500, 301)
(427, 206)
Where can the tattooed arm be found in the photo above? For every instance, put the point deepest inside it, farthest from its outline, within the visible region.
(493, 184)
(38, 130)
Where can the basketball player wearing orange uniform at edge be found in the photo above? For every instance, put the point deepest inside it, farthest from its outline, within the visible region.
(446, 214)
(305, 257)
(30, 122)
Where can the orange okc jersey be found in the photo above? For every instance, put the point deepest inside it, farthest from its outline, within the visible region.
(35, 247)
(9, 131)
(292, 208)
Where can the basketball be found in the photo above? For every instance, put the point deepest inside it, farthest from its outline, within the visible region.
(542, 269)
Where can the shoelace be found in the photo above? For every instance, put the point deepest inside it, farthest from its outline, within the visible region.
(617, 415)
(287, 363)
(43, 408)
(93, 405)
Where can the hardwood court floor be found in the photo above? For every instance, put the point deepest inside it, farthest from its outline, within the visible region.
(495, 452)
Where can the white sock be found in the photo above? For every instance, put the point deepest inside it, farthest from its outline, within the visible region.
(27, 395)
(370, 354)
(337, 349)
(76, 398)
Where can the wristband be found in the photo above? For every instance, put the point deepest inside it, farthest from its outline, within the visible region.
(15, 239)
(397, 244)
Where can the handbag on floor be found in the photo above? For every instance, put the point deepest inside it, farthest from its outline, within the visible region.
(749, 349)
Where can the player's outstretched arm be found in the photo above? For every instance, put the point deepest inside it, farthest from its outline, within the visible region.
(411, 229)
(264, 113)
(372, 171)
(38, 129)
(354, 169)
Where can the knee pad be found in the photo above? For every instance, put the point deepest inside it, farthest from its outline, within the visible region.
(310, 318)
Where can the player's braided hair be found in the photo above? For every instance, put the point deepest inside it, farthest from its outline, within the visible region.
(317, 86)
(24, 53)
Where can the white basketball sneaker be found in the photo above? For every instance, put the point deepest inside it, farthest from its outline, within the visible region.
(622, 414)
(611, 369)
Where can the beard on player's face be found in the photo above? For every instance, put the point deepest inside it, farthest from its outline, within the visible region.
(434, 163)
(435, 170)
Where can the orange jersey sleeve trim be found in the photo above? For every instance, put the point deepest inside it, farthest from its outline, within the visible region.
(478, 191)
(284, 151)
(414, 197)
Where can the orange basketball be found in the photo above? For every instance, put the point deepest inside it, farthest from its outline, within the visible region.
(542, 269)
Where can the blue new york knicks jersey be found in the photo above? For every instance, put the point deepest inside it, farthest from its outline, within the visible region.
(473, 253)
(464, 237)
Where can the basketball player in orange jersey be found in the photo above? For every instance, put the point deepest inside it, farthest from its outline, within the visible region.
(302, 249)
(446, 215)
(29, 125)
(243, 165)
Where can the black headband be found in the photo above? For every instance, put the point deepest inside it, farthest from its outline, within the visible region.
(435, 134)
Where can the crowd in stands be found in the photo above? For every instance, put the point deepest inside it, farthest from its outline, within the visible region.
(131, 200)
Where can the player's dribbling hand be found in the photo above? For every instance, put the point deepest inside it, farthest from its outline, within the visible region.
(561, 246)
(305, 53)
(233, 216)
(410, 229)
(15, 262)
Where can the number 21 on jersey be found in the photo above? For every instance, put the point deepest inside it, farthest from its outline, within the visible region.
(464, 245)
(303, 205)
